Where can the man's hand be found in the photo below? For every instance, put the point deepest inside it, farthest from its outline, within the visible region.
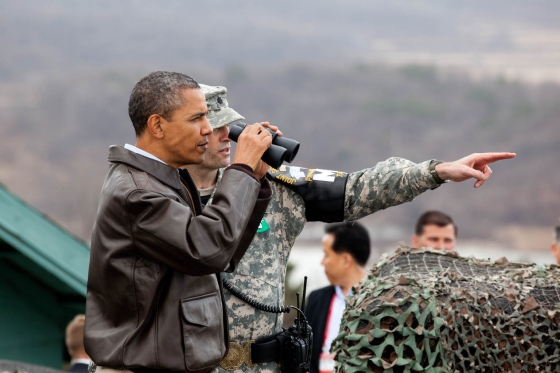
(471, 166)
(262, 167)
(261, 170)
(251, 144)
(274, 128)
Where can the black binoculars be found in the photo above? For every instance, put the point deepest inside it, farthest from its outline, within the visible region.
(282, 149)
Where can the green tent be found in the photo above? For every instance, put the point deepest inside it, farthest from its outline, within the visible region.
(43, 277)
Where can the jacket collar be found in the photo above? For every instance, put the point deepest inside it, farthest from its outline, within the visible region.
(164, 173)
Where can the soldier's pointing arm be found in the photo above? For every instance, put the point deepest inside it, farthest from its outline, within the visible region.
(398, 180)
(387, 184)
(332, 196)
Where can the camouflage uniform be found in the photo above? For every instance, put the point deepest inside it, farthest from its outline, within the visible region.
(261, 272)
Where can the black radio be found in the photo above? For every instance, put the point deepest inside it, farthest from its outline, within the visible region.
(291, 347)
(295, 348)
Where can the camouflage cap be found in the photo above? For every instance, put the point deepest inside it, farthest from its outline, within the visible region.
(219, 113)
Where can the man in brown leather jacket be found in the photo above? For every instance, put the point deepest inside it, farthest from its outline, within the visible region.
(154, 298)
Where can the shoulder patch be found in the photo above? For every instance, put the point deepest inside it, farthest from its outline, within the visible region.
(295, 175)
(322, 190)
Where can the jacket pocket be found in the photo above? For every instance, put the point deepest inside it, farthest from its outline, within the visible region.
(203, 331)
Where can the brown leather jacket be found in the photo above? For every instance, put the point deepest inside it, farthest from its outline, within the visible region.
(154, 299)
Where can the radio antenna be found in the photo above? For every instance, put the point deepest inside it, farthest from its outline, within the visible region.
(303, 296)
(297, 302)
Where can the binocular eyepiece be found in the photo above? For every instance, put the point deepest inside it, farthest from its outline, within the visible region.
(282, 149)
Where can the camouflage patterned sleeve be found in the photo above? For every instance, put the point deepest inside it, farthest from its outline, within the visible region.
(387, 184)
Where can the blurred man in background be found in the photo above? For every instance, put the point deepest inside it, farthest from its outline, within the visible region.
(75, 345)
(436, 230)
(346, 248)
(555, 247)
(301, 195)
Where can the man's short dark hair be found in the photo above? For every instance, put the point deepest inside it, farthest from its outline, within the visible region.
(434, 217)
(160, 93)
(350, 237)
(75, 335)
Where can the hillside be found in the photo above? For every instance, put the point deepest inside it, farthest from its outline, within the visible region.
(56, 130)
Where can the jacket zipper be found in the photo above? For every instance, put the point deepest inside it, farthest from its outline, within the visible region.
(190, 201)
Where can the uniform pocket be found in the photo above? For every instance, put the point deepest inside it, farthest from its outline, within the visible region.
(203, 331)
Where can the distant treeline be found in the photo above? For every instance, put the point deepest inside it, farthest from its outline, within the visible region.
(55, 133)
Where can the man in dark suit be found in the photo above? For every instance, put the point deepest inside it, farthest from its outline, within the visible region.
(346, 249)
(75, 345)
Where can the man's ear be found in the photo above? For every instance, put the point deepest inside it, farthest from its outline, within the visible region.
(348, 259)
(154, 126)
(414, 241)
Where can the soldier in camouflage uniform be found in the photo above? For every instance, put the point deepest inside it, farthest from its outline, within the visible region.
(301, 195)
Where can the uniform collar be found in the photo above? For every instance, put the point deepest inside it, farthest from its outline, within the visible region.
(220, 174)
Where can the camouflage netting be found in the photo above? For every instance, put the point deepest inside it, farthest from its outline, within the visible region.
(434, 311)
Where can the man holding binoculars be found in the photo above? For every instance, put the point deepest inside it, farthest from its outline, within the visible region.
(301, 195)
(154, 293)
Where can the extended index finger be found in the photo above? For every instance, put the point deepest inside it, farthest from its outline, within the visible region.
(493, 157)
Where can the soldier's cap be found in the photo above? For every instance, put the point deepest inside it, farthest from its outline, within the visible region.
(219, 113)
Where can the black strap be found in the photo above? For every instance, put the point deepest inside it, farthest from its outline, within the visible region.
(322, 191)
(265, 350)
